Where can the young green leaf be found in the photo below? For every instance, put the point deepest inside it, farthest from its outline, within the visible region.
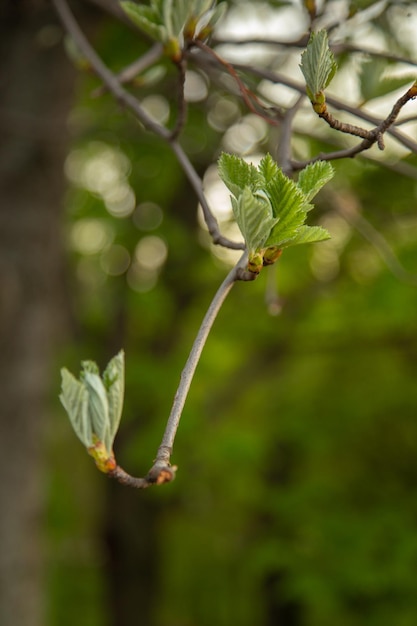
(94, 405)
(268, 170)
(175, 16)
(237, 174)
(310, 234)
(287, 200)
(270, 208)
(312, 178)
(209, 19)
(114, 383)
(74, 398)
(317, 64)
(98, 408)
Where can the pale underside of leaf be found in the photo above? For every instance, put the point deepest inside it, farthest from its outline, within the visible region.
(210, 17)
(74, 398)
(98, 408)
(254, 218)
(317, 62)
(175, 15)
(114, 383)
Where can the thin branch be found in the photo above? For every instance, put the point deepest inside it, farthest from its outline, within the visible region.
(230, 41)
(165, 449)
(346, 153)
(126, 98)
(406, 120)
(129, 73)
(399, 167)
(182, 104)
(250, 99)
(108, 78)
(162, 471)
(343, 127)
(411, 94)
(284, 145)
(371, 136)
(277, 78)
(336, 48)
(339, 48)
(196, 183)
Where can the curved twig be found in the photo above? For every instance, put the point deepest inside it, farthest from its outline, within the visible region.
(237, 273)
(162, 471)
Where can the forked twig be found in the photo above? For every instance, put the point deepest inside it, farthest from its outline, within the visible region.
(249, 98)
(132, 103)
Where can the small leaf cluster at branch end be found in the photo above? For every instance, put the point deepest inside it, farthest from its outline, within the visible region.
(270, 208)
(94, 406)
(318, 66)
(174, 23)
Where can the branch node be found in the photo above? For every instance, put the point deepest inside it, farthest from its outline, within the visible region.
(245, 274)
(161, 473)
(380, 141)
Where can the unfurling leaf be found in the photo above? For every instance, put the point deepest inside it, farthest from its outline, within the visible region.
(317, 64)
(173, 21)
(74, 398)
(94, 405)
(114, 383)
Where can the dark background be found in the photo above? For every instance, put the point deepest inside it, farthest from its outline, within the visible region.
(295, 498)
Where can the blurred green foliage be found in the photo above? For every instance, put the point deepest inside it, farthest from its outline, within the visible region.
(295, 497)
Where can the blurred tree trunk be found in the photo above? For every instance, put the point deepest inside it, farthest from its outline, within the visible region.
(35, 95)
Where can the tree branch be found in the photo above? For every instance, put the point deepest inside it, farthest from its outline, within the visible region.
(277, 78)
(182, 104)
(249, 98)
(162, 471)
(127, 99)
(108, 78)
(209, 218)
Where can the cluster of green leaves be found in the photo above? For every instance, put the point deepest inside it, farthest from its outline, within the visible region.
(318, 66)
(171, 22)
(94, 405)
(270, 208)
